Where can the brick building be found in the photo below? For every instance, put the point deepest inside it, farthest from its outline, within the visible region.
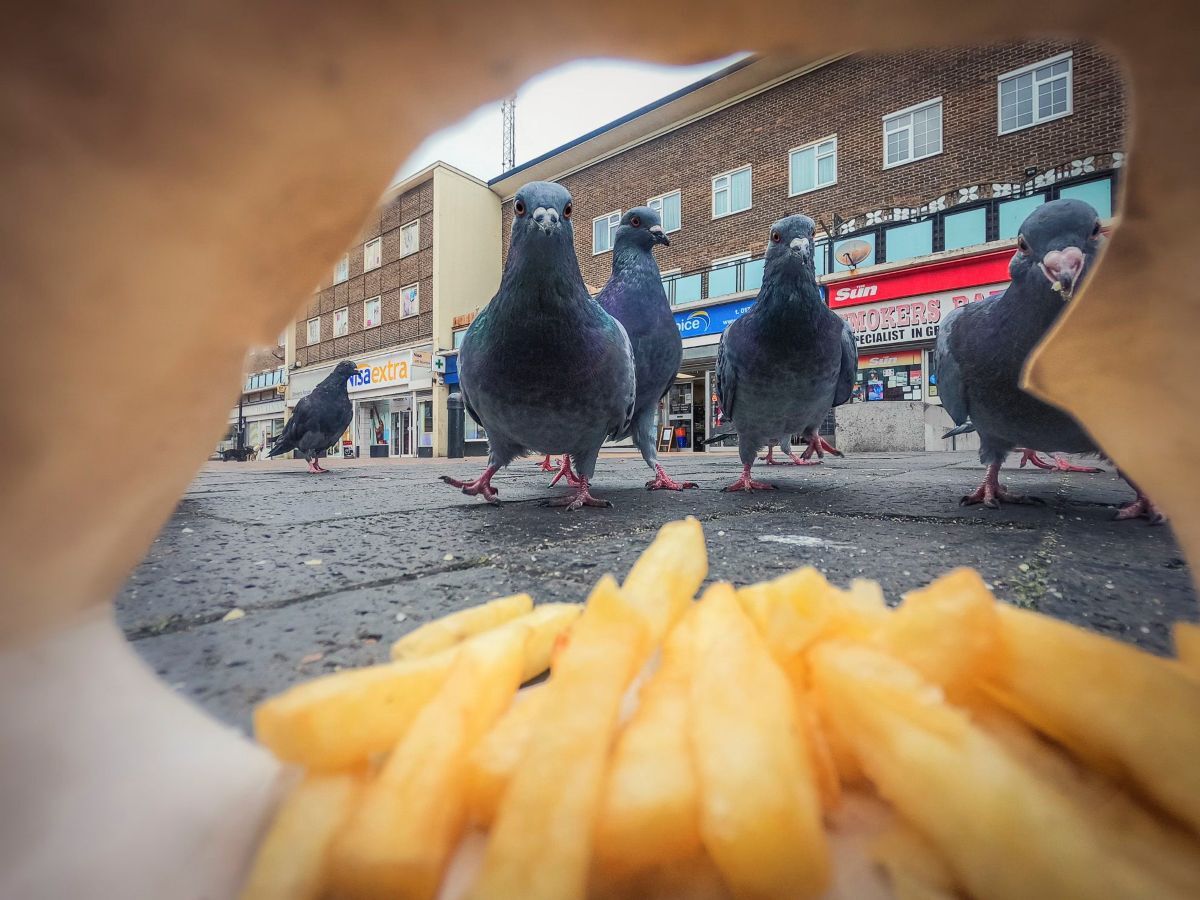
(389, 305)
(920, 164)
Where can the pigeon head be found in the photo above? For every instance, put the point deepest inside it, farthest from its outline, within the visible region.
(542, 218)
(343, 370)
(641, 228)
(1055, 248)
(790, 245)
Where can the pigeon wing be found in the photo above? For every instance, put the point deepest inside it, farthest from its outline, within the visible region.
(849, 366)
(952, 389)
(726, 376)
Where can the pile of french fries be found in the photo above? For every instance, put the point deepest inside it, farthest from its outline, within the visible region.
(684, 748)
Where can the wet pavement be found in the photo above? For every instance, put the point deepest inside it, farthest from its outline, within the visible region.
(328, 570)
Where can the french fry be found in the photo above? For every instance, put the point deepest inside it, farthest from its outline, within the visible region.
(948, 631)
(413, 814)
(1005, 831)
(342, 719)
(1186, 637)
(293, 860)
(665, 578)
(760, 816)
(1124, 711)
(541, 842)
(458, 626)
(496, 757)
(915, 869)
(649, 815)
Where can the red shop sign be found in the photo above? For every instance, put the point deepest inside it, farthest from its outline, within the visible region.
(985, 268)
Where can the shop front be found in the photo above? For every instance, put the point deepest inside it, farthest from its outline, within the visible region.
(895, 317)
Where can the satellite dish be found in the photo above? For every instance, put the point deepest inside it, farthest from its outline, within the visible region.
(851, 253)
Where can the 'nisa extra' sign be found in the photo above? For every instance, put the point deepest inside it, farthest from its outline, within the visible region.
(391, 370)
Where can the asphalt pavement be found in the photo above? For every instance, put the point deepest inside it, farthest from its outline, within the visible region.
(266, 575)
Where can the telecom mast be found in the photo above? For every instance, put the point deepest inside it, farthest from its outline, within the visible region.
(508, 111)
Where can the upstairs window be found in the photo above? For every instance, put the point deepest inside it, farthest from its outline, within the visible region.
(410, 238)
(668, 207)
(913, 133)
(410, 301)
(812, 166)
(1035, 94)
(341, 271)
(604, 231)
(371, 312)
(314, 331)
(341, 321)
(372, 254)
(731, 192)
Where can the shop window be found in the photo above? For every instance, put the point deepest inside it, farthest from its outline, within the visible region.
(966, 228)
(410, 301)
(812, 166)
(472, 430)
(1035, 94)
(839, 266)
(371, 312)
(341, 321)
(425, 423)
(341, 271)
(604, 231)
(669, 210)
(731, 192)
(888, 376)
(723, 276)
(410, 238)
(913, 133)
(372, 254)
(457, 337)
(1098, 193)
(1014, 212)
(908, 241)
(314, 331)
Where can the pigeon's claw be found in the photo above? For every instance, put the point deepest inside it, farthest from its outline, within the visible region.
(1060, 464)
(482, 486)
(664, 482)
(804, 459)
(547, 464)
(820, 446)
(1142, 507)
(565, 472)
(991, 493)
(746, 483)
(579, 497)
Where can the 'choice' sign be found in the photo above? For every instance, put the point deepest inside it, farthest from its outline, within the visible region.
(911, 319)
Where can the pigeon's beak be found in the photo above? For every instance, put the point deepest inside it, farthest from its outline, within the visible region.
(1063, 269)
(546, 218)
(802, 247)
(656, 232)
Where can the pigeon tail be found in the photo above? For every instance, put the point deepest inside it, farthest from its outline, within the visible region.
(965, 428)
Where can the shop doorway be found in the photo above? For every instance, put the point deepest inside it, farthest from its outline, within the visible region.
(402, 433)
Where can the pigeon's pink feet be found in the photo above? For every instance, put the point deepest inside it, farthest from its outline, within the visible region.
(664, 482)
(803, 459)
(480, 486)
(1142, 507)
(1060, 464)
(315, 468)
(820, 446)
(579, 497)
(746, 483)
(991, 492)
(547, 464)
(770, 459)
(565, 472)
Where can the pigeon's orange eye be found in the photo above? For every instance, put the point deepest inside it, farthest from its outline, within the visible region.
(567, 211)
(775, 236)
(1096, 229)
(636, 222)
(519, 206)
(1021, 244)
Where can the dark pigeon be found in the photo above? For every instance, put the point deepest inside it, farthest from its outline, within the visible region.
(982, 348)
(320, 418)
(543, 367)
(782, 365)
(634, 296)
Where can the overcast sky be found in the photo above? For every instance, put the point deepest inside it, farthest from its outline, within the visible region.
(554, 108)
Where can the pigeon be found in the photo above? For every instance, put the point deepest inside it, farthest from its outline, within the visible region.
(982, 347)
(543, 367)
(634, 296)
(786, 362)
(320, 418)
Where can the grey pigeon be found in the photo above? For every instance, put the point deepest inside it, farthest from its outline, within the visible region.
(982, 348)
(543, 367)
(782, 365)
(634, 296)
(320, 418)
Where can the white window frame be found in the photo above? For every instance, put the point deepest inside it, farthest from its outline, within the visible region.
(309, 334)
(375, 299)
(661, 200)
(368, 265)
(614, 220)
(908, 111)
(729, 187)
(416, 286)
(813, 145)
(341, 269)
(345, 310)
(1069, 56)
(417, 246)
